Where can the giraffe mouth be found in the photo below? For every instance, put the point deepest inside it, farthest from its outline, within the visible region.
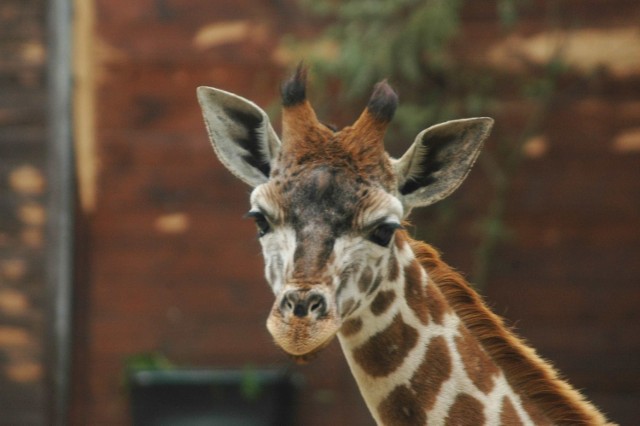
(311, 356)
(303, 320)
(302, 338)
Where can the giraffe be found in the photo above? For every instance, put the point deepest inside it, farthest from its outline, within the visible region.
(330, 208)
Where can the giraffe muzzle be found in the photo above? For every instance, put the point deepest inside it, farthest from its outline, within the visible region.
(303, 321)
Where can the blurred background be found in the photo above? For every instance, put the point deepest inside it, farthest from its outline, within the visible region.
(122, 242)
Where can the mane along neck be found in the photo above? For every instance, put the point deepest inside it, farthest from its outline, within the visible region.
(526, 371)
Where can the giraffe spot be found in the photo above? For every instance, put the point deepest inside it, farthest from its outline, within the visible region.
(466, 410)
(382, 302)
(400, 408)
(434, 370)
(385, 351)
(414, 291)
(508, 415)
(479, 367)
(351, 327)
(436, 303)
(365, 279)
(347, 307)
(394, 269)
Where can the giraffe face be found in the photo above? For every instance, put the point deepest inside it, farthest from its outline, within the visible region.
(326, 237)
(327, 204)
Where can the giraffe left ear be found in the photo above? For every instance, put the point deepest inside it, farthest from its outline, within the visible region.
(240, 133)
(439, 160)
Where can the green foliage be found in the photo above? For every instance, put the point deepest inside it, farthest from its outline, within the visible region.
(145, 361)
(148, 361)
(399, 39)
(508, 11)
(250, 385)
(407, 41)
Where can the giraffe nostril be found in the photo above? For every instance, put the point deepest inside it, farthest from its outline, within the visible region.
(303, 304)
(288, 302)
(317, 304)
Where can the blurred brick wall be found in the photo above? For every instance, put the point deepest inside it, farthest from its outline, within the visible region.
(171, 267)
(23, 103)
(568, 274)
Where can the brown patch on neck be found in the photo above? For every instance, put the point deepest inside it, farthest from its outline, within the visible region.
(434, 370)
(400, 408)
(385, 351)
(366, 278)
(347, 307)
(436, 303)
(479, 367)
(394, 270)
(466, 410)
(508, 415)
(351, 327)
(526, 372)
(414, 291)
(382, 301)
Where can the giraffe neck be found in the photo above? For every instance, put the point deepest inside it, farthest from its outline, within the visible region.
(416, 362)
(427, 350)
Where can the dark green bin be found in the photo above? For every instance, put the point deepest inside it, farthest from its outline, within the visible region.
(213, 397)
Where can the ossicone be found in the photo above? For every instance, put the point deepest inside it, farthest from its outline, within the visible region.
(293, 90)
(379, 111)
(383, 102)
(299, 121)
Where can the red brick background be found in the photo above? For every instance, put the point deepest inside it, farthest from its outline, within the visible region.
(23, 214)
(170, 266)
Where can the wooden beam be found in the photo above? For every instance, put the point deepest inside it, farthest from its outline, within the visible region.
(84, 61)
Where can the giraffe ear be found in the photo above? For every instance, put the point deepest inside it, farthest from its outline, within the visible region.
(439, 160)
(241, 134)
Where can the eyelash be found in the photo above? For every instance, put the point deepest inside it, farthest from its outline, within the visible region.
(382, 234)
(261, 222)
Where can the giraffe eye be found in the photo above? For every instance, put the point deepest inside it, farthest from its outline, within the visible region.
(261, 222)
(383, 233)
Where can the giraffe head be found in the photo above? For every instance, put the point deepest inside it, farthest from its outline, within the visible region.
(328, 204)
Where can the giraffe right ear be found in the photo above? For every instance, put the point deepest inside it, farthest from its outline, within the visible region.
(241, 134)
(439, 160)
